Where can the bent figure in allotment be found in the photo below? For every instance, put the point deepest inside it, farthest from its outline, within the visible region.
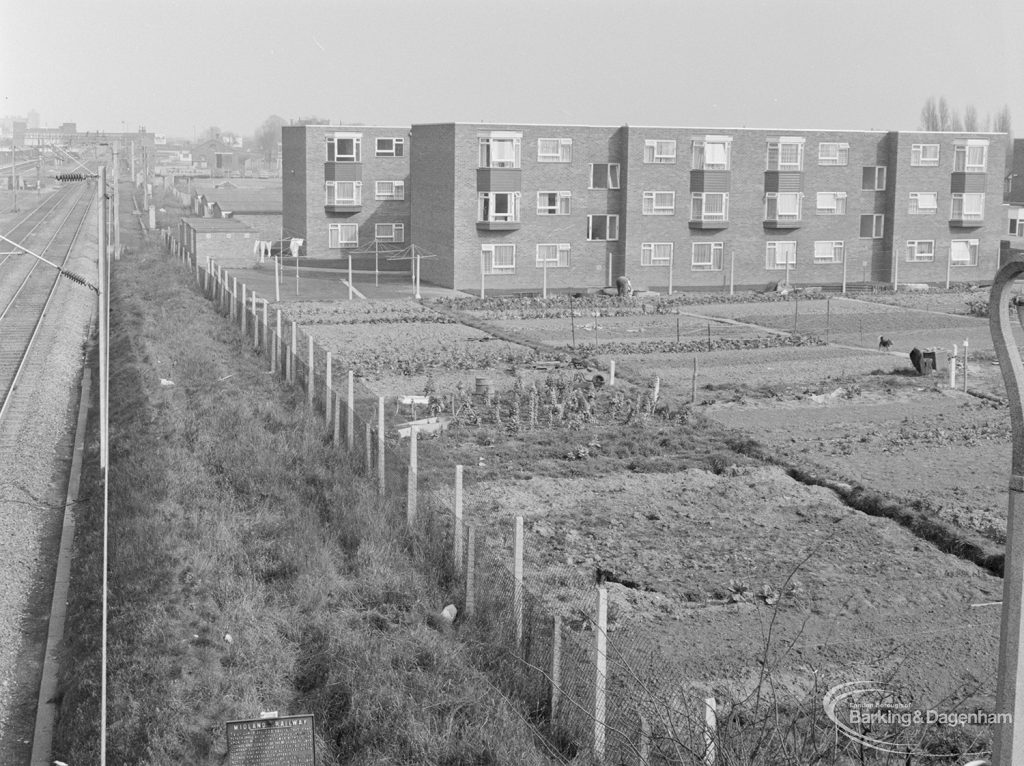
(624, 287)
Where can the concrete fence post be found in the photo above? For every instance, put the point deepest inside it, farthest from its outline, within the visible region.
(206, 277)
(350, 412)
(517, 581)
(556, 666)
(328, 384)
(600, 672)
(381, 453)
(255, 323)
(470, 570)
(369, 450)
(710, 730)
(611, 372)
(244, 312)
(266, 328)
(310, 373)
(965, 365)
(952, 366)
(289, 358)
(457, 555)
(412, 478)
(337, 418)
(234, 297)
(275, 344)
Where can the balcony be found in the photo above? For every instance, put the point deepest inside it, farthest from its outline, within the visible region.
(353, 207)
(498, 225)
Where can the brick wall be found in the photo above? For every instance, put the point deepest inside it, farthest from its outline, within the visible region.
(294, 190)
(230, 249)
(432, 191)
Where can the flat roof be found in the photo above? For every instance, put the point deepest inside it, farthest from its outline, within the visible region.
(216, 224)
(707, 127)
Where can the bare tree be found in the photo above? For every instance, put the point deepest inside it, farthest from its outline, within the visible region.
(929, 115)
(970, 118)
(269, 134)
(955, 123)
(944, 116)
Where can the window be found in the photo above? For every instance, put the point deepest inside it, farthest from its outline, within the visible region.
(782, 206)
(390, 147)
(345, 147)
(342, 235)
(924, 155)
(963, 252)
(389, 232)
(659, 203)
(707, 256)
(499, 259)
(554, 203)
(603, 227)
(970, 156)
(498, 207)
(709, 206)
(968, 207)
(1017, 227)
(604, 175)
(920, 250)
(659, 151)
(711, 153)
(923, 203)
(656, 253)
(344, 193)
(831, 203)
(873, 178)
(554, 150)
(786, 154)
(833, 154)
(780, 255)
(390, 190)
(500, 150)
(829, 251)
(553, 256)
(872, 226)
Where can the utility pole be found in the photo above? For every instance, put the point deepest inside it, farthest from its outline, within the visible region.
(117, 205)
(14, 176)
(101, 232)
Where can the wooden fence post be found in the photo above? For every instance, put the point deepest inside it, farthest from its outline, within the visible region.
(275, 361)
(234, 298)
(517, 581)
(328, 384)
(380, 445)
(350, 412)
(556, 666)
(255, 323)
(693, 382)
(412, 478)
(289, 360)
(965, 365)
(470, 570)
(310, 376)
(952, 367)
(337, 418)
(266, 328)
(710, 730)
(601, 671)
(458, 519)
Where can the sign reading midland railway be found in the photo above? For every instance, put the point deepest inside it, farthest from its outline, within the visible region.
(285, 741)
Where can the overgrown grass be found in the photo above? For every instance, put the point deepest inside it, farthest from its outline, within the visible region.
(251, 569)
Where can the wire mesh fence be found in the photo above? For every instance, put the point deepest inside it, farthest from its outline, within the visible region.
(596, 697)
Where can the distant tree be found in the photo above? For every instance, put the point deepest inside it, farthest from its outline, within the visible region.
(1002, 122)
(929, 115)
(970, 118)
(944, 116)
(210, 133)
(269, 134)
(955, 123)
(312, 121)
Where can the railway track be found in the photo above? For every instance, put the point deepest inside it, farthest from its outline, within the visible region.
(28, 286)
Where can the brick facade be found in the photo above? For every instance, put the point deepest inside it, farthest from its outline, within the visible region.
(444, 184)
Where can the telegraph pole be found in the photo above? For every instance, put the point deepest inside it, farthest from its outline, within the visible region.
(101, 232)
(14, 177)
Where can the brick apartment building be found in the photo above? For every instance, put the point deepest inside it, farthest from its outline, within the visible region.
(516, 206)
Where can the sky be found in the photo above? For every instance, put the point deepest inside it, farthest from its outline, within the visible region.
(179, 68)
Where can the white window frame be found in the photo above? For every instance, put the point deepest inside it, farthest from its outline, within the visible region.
(920, 250)
(397, 147)
(699, 153)
(489, 253)
(880, 178)
(777, 197)
(562, 206)
(698, 206)
(553, 255)
(512, 142)
(834, 154)
(611, 222)
(977, 203)
(659, 203)
(389, 190)
(924, 155)
(397, 232)
(335, 240)
(877, 225)
(660, 151)
(914, 206)
(972, 246)
(962, 156)
(610, 175)
(488, 200)
(656, 253)
(357, 147)
(333, 193)
(772, 255)
(707, 261)
(835, 203)
(556, 150)
(775, 145)
(1017, 225)
(836, 251)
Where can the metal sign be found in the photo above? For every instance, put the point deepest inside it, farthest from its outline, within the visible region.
(284, 741)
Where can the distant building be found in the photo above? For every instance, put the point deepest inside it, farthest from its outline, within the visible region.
(219, 159)
(1013, 241)
(514, 206)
